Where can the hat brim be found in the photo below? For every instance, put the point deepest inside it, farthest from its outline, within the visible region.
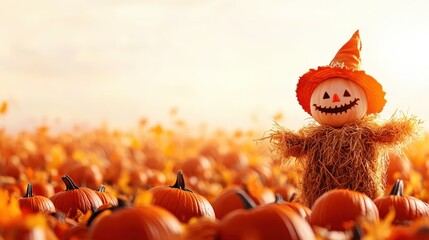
(309, 81)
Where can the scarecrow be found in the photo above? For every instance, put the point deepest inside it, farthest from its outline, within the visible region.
(347, 145)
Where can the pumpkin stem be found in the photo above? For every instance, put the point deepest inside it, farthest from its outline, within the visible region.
(357, 232)
(398, 188)
(29, 192)
(70, 185)
(180, 182)
(122, 203)
(279, 198)
(246, 199)
(292, 197)
(101, 188)
(95, 212)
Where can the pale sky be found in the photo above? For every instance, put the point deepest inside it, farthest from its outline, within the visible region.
(227, 64)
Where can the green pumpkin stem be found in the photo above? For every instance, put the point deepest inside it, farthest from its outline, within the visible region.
(247, 201)
(29, 192)
(101, 188)
(180, 182)
(70, 185)
(398, 188)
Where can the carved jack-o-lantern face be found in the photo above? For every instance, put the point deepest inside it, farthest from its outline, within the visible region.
(338, 101)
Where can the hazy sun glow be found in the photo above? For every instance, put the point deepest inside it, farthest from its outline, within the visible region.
(230, 64)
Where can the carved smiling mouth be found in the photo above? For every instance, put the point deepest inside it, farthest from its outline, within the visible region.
(337, 109)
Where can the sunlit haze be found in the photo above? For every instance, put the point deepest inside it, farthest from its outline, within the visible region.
(225, 64)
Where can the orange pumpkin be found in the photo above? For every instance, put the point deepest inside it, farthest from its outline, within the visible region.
(399, 167)
(138, 178)
(143, 222)
(75, 199)
(228, 200)
(407, 208)
(35, 203)
(11, 167)
(35, 160)
(297, 207)
(155, 178)
(242, 176)
(263, 222)
(210, 150)
(337, 208)
(43, 189)
(286, 191)
(265, 172)
(234, 160)
(86, 175)
(259, 193)
(106, 198)
(197, 167)
(180, 201)
(155, 160)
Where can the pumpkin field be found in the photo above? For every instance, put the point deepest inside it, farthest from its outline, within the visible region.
(214, 120)
(161, 182)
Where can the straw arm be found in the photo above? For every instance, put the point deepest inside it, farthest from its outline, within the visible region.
(287, 143)
(398, 130)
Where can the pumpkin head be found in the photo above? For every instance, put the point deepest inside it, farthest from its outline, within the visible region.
(263, 222)
(36, 203)
(407, 208)
(75, 199)
(180, 201)
(142, 222)
(346, 64)
(338, 101)
(337, 208)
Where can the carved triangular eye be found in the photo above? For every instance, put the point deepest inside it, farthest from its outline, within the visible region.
(326, 96)
(346, 94)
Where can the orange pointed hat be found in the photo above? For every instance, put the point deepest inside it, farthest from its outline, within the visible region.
(346, 64)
